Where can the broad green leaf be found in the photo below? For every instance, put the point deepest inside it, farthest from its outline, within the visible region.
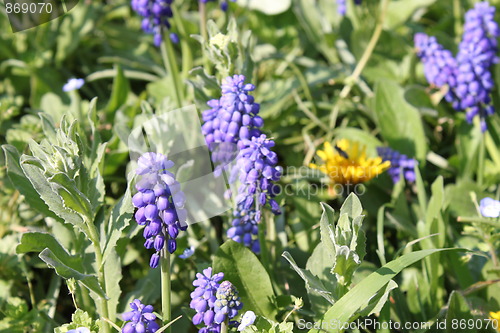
(398, 12)
(53, 200)
(38, 241)
(22, 183)
(66, 272)
(376, 303)
(320, 264)
(312, 282)
(244, 270)
(113, 272)
(459, 312)
(351, 206)
(346, 307)
(326, 226)
(399, 122)
(119, 219)
(119, 93)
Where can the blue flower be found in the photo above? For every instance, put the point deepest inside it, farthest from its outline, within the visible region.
(141, 319)
(489, 207)
(73, 84)
(245, 228)
(468, 76)
(234, 116)
(247, 320)
(257, 172)
(160, 204)
(440, 66)
(203, 299)
(476, 55)
(227, 302)
(399, 163)
(156, 17)
(188, 252)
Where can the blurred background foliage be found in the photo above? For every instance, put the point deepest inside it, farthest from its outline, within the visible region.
(300, 55)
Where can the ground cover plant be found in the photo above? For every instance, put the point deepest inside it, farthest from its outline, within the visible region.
(250, 166)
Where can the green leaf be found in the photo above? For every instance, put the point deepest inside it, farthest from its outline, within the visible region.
(351, 206)
(399, 122)
(119, 220)
(398, 12)
(119, 93)
(326, 226)
(458, 311)
(64, 271)
(312, 282)
(53, 200)
(22, 183)
(346, 307)
(38, 241)
(244, 270)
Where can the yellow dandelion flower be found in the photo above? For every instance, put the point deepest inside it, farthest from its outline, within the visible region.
(495, 317)
(346, 163)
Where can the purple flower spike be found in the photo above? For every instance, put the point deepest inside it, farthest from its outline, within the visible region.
(160, 204)
(399, 163)
(141, 319)
(156, 17)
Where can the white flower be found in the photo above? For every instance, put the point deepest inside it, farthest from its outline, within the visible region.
(489, 207)
(187, 253)
(79, 330)
(247, 320)
(73, 84)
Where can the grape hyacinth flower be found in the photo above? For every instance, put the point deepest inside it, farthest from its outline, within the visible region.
(203, 299)
(227, 302)
(440, 66)
(256, 165)
(489, 207)
(231, 118)
(399, 163)
(258, 170)
(160, 204)
(156, 15)
(245, 228)
(141, 319)
(234, 116)
(477, 54)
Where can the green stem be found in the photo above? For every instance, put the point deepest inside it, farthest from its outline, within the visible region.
(353, 78)
(165, 287)
(168, 56)
(94, 236)
(224, 327)
(204, 34)
(457, 20)
(480, 169)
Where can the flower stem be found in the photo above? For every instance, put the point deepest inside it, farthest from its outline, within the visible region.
(204, 34)
(94, 236)
(264, 254)
(165, 286)
(481, 157)
(170, 62)
(224, 326)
